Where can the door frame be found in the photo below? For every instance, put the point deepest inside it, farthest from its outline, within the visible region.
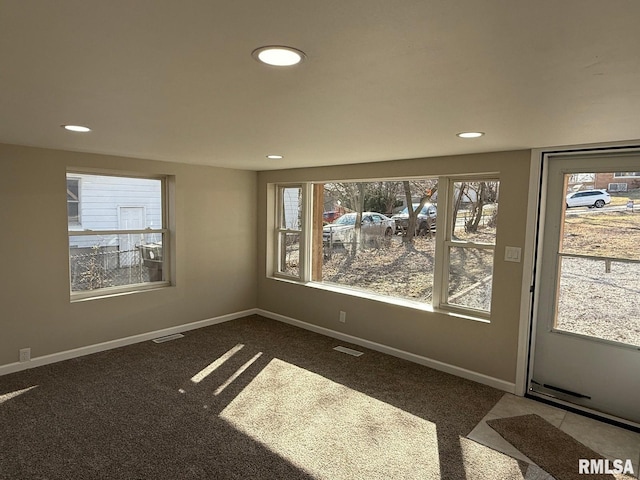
(536, 204)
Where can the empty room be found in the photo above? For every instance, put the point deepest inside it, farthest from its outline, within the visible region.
(320, 240)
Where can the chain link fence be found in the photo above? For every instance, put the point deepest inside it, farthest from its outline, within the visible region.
(100, 267)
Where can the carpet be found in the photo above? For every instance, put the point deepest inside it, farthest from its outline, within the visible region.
(550, 448)
(250, 398)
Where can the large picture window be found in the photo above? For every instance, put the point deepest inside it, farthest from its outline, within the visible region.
(384, 238)
(117, 229)
(381, 237)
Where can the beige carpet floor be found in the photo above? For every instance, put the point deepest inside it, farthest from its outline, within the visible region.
(247, 399)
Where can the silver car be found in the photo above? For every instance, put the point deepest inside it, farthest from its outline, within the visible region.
(342, 231)
(588, 198)
(426, 219)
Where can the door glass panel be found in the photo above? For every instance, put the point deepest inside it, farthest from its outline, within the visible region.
(612, 311)
(599, 259)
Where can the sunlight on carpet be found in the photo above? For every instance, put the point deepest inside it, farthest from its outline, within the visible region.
(236, 374)
(8, 396)
(213, 366)
(331, 431)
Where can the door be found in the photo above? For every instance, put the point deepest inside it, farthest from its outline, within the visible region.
(586, 339)
(130, 218)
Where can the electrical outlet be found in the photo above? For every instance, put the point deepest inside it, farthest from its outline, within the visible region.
(343, 317)
(25, 354)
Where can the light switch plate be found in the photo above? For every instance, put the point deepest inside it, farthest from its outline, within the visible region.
(512, 254)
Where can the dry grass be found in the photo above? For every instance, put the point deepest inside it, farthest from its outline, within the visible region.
(396, 270)
(407, 271)
(392, 269)
(602, 234)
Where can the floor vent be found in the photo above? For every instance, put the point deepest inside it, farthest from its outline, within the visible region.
(168, 338)
(349, 351)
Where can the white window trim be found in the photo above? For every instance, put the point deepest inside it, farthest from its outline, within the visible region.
(444, 233)
(304, 259)
(443, 243)
(164, 232)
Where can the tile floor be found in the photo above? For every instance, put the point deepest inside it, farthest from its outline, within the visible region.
(610, 441)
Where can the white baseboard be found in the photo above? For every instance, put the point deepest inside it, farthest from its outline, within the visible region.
(412, 357)
(143, 337)
(122, 342)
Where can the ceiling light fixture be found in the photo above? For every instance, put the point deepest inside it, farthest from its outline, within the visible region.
(470, 134)
(278, 56)
(76, 128)
(275, 157)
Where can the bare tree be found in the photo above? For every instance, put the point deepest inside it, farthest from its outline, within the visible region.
(427, 192)
(476, 195)
(358, 241)
(382, 196)
(352, 196)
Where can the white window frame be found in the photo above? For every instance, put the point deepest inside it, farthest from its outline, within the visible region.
(163, 231)
(445, 241)
(281, 231)
(443, 238)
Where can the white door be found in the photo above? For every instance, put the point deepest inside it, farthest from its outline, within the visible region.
(130, 218)
(586, 342)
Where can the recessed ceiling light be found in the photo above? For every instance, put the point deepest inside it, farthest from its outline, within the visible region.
(470, 134)
(278, 56)
(76, 128)
(275, 157)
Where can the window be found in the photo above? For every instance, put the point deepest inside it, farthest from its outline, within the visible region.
(73, 200)
(469, 244)
(383, 238)
(118, 237)
(289, 233)
(371, 246)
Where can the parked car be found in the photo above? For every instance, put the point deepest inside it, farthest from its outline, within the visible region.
(426, 219)
(588, 198)
(331, 216)
(342, 231)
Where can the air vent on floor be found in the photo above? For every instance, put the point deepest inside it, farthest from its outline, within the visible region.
(349, 351)
(168, 338)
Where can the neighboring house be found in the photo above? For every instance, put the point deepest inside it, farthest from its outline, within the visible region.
(102, 203)
(617, 181)
(292, 208)
(105, 206)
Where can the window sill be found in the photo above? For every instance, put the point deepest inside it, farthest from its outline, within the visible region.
(400, 302)
(117, 292)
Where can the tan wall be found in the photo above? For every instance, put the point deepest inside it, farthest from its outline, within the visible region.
(215, 253)
(486, 348)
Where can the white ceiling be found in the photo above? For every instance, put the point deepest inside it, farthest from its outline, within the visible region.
(174, 79)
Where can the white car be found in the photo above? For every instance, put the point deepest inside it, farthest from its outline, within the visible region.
(342, 231)
(588, 198)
